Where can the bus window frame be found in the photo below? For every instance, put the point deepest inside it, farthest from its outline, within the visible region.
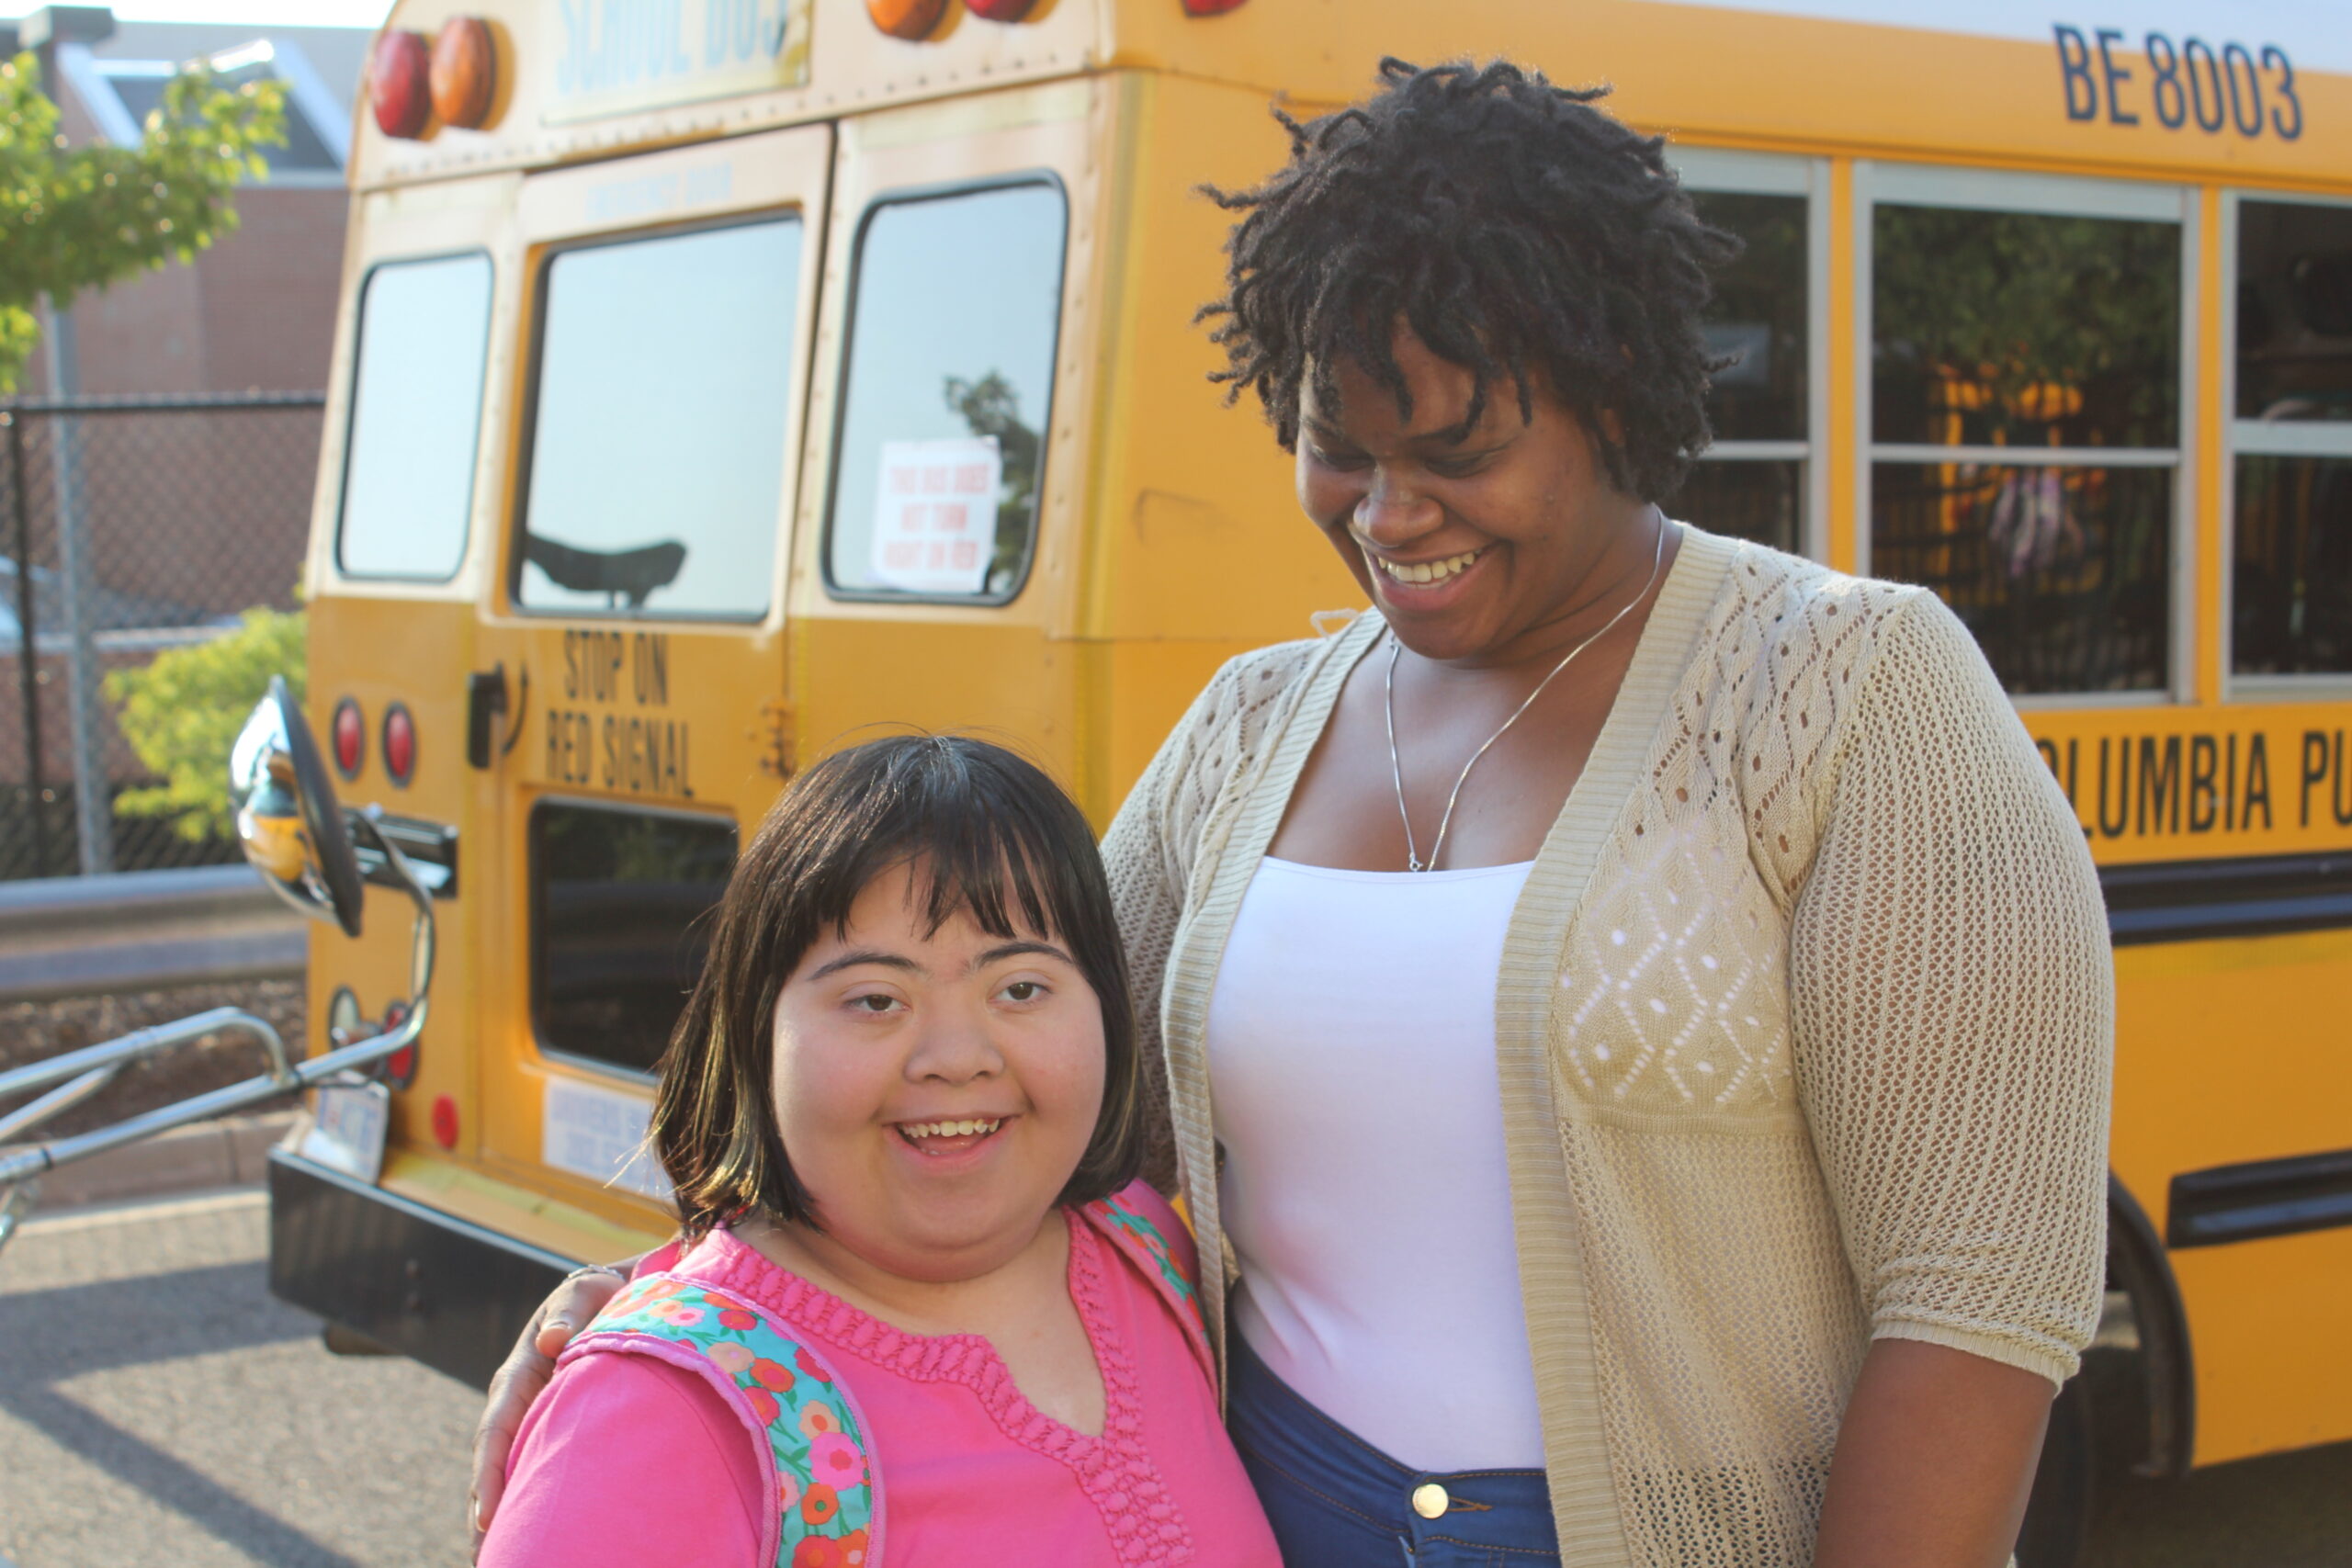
(2254, 438)
(853, 284)
(351, 418)
(1736, 173)
(534, 915)
(1959, 187)
(541, 257)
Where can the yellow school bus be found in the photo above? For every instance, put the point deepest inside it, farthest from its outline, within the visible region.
(716, 378)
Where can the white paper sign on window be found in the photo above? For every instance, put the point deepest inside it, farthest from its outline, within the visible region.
(934, 513)
(600, 1133)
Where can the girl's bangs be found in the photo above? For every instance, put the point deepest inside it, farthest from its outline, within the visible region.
(977, 839)
(995, 877)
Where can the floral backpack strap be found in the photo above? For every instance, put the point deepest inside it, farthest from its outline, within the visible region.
(809, 1436)
(1142, 1225)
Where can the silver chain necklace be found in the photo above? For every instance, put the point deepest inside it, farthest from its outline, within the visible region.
(1388, 698)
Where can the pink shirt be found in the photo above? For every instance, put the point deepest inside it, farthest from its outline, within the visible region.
(628, 1460)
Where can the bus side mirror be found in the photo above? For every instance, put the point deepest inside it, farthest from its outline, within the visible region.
(287, 820)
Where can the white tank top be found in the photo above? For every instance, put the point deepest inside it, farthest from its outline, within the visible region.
(1352, 1053)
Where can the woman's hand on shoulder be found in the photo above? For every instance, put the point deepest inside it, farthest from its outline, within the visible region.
(524, 1375)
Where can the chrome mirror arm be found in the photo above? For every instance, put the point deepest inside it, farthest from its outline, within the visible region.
(421, 946)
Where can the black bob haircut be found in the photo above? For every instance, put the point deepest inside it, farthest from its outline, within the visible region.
(987, 834)
(1513, 227)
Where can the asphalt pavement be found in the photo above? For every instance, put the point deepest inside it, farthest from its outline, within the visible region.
(2291, 1510)
(158, 1406)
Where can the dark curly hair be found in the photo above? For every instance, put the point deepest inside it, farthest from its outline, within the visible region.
(1513, 226)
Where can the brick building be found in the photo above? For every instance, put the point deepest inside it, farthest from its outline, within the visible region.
(185, 518)
(256, 310)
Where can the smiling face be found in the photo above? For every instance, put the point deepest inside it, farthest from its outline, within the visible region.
(1473, 542)
(935, 1089)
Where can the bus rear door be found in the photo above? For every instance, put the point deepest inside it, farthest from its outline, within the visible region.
(942, 548)
(636, 632)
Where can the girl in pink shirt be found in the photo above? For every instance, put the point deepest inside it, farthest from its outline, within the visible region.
(920, 1311)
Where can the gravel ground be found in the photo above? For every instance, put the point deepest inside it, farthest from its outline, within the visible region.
(30, 1032)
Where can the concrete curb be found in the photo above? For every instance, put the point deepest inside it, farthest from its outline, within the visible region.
(231, 1152)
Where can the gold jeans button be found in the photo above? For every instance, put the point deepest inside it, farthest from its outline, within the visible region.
(1429, 1500)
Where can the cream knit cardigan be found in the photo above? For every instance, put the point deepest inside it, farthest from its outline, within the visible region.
(1803, 1023)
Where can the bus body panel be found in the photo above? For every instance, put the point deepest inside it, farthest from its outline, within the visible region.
(2230, 1052)
(1743, 75)
(379, 641)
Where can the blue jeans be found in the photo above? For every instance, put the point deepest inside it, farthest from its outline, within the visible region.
(1338, 1502)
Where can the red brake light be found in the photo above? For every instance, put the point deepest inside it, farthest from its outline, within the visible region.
(910, 20)
(444, 1120)
(465, 72)
(400, 84)
(1000, 10)
(1211, 7)
(350, 739)
(399, 745)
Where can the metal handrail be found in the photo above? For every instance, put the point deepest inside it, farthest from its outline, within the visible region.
(14, 1205)
(148, 1042)
(162, 402)
(33, 1160)
(35, 911)
(58, 1100)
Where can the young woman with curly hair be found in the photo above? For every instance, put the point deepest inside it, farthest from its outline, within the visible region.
(1636, 1011)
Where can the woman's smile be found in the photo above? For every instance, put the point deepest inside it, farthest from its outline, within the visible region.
(1426, 573)
(1491, 540)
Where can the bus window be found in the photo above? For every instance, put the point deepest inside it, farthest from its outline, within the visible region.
(1752, 484)
(408, 484)
(662, 424)
(616, 944)
(2025, 421)
(2291, 582)
(956, 307)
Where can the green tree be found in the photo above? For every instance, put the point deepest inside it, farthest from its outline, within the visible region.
(2020, 301)
(990, 406)
(80, 218)
(181, 714)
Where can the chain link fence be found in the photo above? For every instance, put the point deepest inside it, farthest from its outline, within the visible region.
(130, 528)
